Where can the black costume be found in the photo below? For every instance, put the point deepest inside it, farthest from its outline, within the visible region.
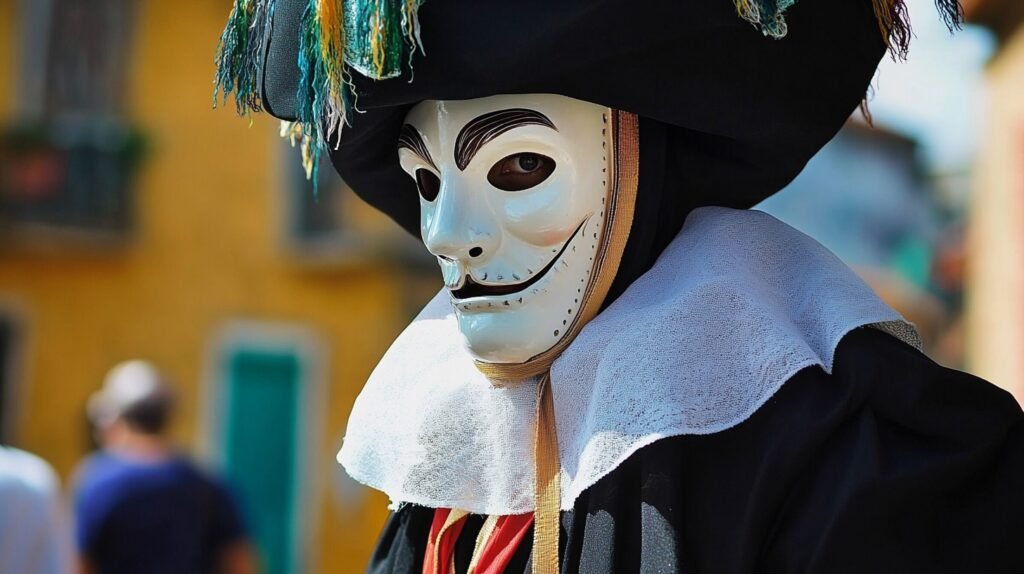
(890, 464)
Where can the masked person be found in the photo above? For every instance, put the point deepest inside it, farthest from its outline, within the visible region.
(626, 371)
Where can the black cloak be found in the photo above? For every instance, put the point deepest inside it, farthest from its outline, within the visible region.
(890, 464)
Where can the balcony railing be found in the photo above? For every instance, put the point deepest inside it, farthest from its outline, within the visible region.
(69, 175)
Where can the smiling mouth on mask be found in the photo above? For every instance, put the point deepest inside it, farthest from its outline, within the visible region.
(471, 288)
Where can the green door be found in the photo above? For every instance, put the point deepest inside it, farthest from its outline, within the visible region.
(261, 452)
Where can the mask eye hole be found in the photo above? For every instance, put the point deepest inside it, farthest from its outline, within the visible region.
(520, 171)
(428, 184)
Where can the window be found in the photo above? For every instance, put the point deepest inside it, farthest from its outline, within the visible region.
(67, 158)
(317, 218)
(334, 226)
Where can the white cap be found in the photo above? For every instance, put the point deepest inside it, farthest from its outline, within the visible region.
(127, 385)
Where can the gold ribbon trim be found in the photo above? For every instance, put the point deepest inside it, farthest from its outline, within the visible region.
(481, 541)
(549, 492)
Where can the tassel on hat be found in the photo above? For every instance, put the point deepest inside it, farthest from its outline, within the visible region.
(373, 37)
(766, 15)
(377, 38)
(240, 54)
(893, 19)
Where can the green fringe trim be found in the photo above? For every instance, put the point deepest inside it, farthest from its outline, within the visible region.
(376, 38)
(240, 54)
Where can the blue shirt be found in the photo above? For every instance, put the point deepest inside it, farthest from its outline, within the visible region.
(153, 517)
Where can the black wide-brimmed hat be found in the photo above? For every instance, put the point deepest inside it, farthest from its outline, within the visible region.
(740, 103)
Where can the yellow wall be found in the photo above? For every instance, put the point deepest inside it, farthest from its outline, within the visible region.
(995, 306)
(207, 249)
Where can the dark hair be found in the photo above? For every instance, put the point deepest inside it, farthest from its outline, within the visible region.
(150, 415)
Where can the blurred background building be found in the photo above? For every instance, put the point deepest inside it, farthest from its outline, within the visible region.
(928, 203)
(996, 280)
(137, 223)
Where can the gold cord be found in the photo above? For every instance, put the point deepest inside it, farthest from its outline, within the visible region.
(548, 489)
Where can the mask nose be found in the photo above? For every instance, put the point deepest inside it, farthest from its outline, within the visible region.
(460, 228)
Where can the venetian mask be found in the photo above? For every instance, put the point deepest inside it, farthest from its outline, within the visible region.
(516, 193)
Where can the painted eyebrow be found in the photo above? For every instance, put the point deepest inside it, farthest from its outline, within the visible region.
(491, 125)
(411, 139)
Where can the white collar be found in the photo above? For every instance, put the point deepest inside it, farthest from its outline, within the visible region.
(734, 307)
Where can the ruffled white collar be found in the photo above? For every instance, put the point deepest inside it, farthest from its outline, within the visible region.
(737, 304)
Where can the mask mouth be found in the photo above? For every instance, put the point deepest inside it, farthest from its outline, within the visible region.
(471, 288)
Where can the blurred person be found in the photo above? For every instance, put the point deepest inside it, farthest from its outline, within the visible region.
(140, 505)
(34, 538)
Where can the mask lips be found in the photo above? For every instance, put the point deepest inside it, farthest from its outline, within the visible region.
(471, 288)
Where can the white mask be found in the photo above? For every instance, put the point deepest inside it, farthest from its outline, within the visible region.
(515, 193)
